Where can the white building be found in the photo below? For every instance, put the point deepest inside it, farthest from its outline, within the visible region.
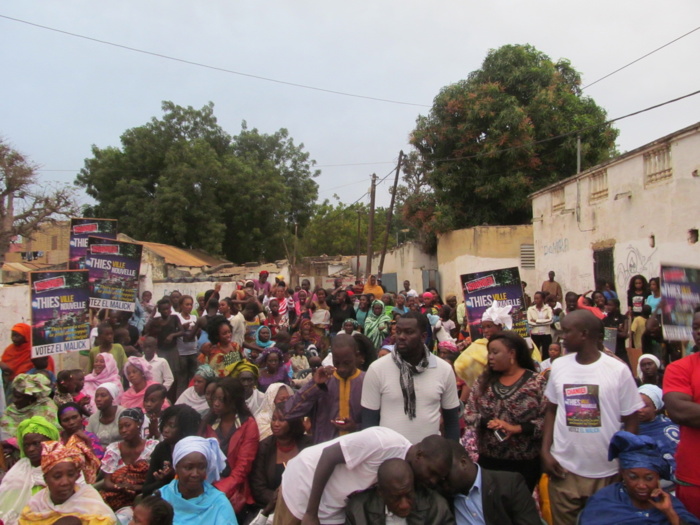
(622, 217)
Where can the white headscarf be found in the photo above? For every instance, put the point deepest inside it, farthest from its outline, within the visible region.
(113, 390)
(209, 448)
(499, 315)
(654, 393)
(651, 357)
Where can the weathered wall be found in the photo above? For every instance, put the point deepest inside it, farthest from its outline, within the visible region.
(408, 262)
(479, 249)
(14, 308)
(624, 219)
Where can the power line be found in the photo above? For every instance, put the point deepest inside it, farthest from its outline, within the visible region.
(207, 66)
(640, 58)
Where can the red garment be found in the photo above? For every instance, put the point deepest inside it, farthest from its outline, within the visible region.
(581, 305)
(684, 376)
(18, 358)
(242, 449)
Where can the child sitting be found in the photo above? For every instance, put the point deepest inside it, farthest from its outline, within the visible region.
(159, 365)
(41, 366)
(153, 401)
(299, 360)
(79, 396)
(121, 337)
(65, 387)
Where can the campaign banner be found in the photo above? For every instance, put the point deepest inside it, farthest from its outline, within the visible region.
(60, 320)
(80, 230)
(114, 273)
(680, 294)
(481, 289)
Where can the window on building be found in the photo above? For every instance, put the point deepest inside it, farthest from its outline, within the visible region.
(54, 242)
(527, 255)
(557, 200)
(657, 165)
(598, 186)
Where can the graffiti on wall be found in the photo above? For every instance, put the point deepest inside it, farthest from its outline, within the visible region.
(558, 246)
(635, 262)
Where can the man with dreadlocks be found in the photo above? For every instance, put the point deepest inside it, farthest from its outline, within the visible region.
(413, 378)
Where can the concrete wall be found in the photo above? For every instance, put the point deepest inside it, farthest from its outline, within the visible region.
(624, 219)
(479, 249)
(407, 261)
(14, 308)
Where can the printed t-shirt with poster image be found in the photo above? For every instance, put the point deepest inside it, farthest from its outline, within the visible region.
(591, 400)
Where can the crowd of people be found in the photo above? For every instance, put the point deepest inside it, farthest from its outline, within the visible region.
(360, 405)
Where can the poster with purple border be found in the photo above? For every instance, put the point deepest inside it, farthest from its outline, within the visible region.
(680, 294)
(80, 230)
(114, 273)
(60, 314)
(481, 289)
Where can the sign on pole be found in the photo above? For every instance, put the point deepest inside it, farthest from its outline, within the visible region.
(80, 230)
(481, 289)
(114, 273)
(680, 294)
(59, 312)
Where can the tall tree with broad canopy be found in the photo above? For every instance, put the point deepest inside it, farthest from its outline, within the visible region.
(485, 144)
(183, 180)
(26, 202)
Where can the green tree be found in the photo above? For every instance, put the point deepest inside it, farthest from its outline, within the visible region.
(485, 144)
(25, 203)
(183, 180)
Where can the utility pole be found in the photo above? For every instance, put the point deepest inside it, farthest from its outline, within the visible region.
(359, 244)
(390, 214)
(370, 228)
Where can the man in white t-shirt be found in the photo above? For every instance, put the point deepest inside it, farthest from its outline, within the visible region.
(590, 394)
(407, 290)
(407, 390)
(318, 481)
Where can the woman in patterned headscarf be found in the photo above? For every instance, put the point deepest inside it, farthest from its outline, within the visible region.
(25, 478)
(126, 462)
(59, 499)
(31, 398)
(377, 324)
(194, 396)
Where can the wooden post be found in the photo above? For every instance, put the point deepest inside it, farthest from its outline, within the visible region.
(370, 229)
(389, 215)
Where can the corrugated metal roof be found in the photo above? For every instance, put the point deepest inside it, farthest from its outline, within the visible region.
(180, 257)
(23, 267)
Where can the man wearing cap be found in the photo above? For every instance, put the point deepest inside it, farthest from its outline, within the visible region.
(262, 285)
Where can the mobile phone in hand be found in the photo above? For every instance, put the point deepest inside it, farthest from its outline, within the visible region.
(500, 435)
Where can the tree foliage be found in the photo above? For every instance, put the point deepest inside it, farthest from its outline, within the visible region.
(183, 180)
(332, 230)
(25, 203)
(485, 145)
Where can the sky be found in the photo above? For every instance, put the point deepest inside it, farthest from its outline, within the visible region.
(60, 94)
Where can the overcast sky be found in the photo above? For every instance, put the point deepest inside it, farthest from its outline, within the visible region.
(60, 94)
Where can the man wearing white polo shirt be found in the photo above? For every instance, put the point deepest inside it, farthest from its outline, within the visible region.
(408, 389)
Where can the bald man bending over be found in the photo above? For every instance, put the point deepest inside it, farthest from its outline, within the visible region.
(396, 499)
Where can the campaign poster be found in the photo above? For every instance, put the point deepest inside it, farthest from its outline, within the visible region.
(481, 289)
(582, 406)
(680, 294)
(60, 321)
(114, 273)
(610, 339)
(80, 230)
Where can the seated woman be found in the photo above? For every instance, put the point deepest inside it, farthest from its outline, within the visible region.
(222, 353)
(62, 497)
(248, 373)
(276, 393)
(649, 371)
(31, 398)
(105, 422)
(176, 423)
(275, 451)
(237, 433)
(306, 335)
(25, 478)
(195, 396)
(138, 372)
(637, 499)
(198, 463)
(104, 371)
(657, 426)
(271, 369)
(70, 418)
(126, 462)
(263, 340)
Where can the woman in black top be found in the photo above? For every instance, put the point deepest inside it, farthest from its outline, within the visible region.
(177, 422)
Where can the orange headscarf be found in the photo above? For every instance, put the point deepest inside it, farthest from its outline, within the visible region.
(74, 451)
(18, 358)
